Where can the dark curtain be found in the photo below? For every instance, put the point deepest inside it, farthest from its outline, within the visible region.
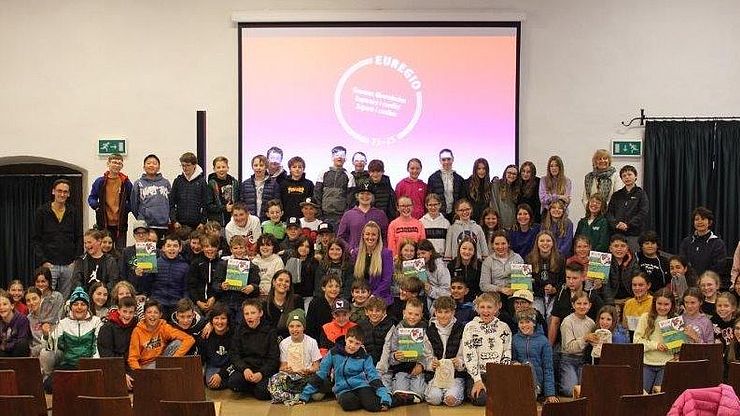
(726, 181)
(678, 166)
(22, 194)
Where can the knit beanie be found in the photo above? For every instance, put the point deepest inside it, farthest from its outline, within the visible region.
(79, 294)
(297, 315)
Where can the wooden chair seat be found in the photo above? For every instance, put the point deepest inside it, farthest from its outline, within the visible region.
(624, 354)
(711, 352)
(183, 408)
(510, 390)
(8, 385)
(605, 384)
(733, 377)
(67, 385)
(114, 374)
(153, 385)
(642, 404)
(22, 405)
(192, 368)
(682, 375)
(105, 406)
(28, 378)
(578, 407)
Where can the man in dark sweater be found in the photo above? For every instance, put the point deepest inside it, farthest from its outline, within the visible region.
(191, 198)
(57, 237)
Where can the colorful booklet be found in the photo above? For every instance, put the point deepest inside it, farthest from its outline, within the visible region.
(673, 335)
(411, 343)
(417, 268)
(237, 273)
(521, 276)
(598, 265)
(146, 256)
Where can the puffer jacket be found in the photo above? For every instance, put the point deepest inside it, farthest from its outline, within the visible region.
(170, 283)
(719, 401)
(75, 339)
(536, 350)
(248, 195)
(332, 191)
(191, 199)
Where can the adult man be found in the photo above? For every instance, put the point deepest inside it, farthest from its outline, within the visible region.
(109, 198)
(57, 237)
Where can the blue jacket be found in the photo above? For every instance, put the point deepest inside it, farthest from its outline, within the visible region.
(350, 372)
(96, 200)
(536, 350)
(170, 283)
(191, 200)
(248, 195)
(150, 200)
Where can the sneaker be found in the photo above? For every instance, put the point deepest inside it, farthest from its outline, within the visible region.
(403, 397)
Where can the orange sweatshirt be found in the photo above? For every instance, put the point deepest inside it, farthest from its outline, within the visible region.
(147, 345)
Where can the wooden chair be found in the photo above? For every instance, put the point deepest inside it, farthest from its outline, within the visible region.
(192, 368)
(181, 408)
(510, 390)
(68, 384)
(22, 405)
(105, 406)
(624, 354)
(733, 377)
(605, 384)
(28, 378)
(114, 374)
(642, 404)
(711, 352)
(682, 375)
(153, 385)
(578, 407)
(8, 385)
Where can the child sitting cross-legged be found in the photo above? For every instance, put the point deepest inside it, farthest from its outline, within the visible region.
(214, 350)
(445, 336)
(337, 327)
(356, 382)
(533, 349)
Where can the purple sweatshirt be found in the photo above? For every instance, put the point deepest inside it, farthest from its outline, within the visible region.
(702, 325)
(523, 241)
(380, 286)
(11, 332)
(350, 226)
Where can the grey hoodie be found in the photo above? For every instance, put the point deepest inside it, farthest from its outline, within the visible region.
(461, 229)
(150, 200)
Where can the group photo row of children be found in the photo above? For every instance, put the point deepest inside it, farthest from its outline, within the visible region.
(277, 281)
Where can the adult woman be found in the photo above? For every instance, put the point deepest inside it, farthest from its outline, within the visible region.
(505, 196)
(555, 185)
(522, 234)
(601, 180)
(495, 274)
(280, 302)
(477, 188)
(374, 263)
(529, 187)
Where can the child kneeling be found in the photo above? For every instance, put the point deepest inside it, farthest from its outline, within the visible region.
(445, 335)
(356, 382)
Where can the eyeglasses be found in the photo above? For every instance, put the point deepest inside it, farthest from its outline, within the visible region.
(464, 209)
(433, 204)
(405, 206)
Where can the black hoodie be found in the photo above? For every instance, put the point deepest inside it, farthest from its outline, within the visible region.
(114, 336)
(292, 193)
(256, 349)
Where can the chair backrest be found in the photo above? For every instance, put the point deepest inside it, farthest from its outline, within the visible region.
(105, 406)
(604, 395)
(510, 390)
(733, 377)
(192, 367)
(711, 352)
(22, 405)
(183, 408)
(682, 375)
(8, 385)
(578, 407)
(624, 354)
(67, 385)
(29, 380)
(643, 404)
(153, 385)
(114, 374)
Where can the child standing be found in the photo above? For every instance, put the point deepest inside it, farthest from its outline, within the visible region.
(628, 207)
(405, 226)
(524, 231)
(191, 199)
(698, 326)
(435, 224)
(412, 187)
(557, 222)
(259, 188)
(150, 198)
(648, 334)
(299, 360)
(332, 187)
(595, 225)
(485, 340)
(532, 348)
(445, 337)
(576, 333)
(295, 188)
(464, 226)
(225, 191)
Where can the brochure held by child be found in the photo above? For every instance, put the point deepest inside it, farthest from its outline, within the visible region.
(146, 256)
(415, 267)
(237, 273)
(598, 268)
(444, 375)
(411, 343)
(521, 276)
(673, 335)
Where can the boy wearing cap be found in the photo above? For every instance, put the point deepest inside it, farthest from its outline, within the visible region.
(245, 224)
(128, 256)
(290, 243)
(332, 187)
(299, 360)
(325, 235)
(74, 337)
(274, 225)
(337, 327)
(295, 188)
(446, 183)
(522, 300)
(309, 222)
(354, 220)
(531, 348)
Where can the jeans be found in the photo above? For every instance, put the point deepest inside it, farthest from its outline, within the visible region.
(652, 375)
(452, 396)
(61, 279)
(570, 373)
(210, 371)
(405, 382)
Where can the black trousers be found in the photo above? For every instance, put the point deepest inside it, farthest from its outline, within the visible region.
(362, 398)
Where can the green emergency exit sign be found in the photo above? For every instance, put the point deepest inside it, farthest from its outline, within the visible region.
(627, 148)
(110, 146)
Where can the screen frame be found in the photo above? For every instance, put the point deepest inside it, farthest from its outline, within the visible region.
(516, 25)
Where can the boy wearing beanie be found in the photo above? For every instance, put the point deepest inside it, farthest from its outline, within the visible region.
(299, 360)
(531, 348)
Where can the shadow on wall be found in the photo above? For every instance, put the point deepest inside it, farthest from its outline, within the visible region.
(25, 184)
